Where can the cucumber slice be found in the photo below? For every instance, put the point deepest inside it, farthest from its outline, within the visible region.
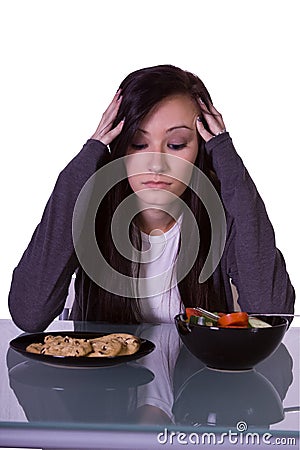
(197, 320)
(254, 322)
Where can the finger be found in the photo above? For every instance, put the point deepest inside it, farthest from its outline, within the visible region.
(108, 117)
(211, 111)
(208, 107)
(114, 100)
(112, 134)
(212, 117)
(112, 110)
(204, 133)
(214, 110)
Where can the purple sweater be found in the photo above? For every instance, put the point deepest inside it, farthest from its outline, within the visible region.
(41, 280)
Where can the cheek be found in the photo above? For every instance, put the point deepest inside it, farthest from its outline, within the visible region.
(188, 170)
(132, 168)
(132, 182)
(179, 188)
(135, 165)
(195, 150)
(181, 170)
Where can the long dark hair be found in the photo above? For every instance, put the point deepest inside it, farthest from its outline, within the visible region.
(141, 91)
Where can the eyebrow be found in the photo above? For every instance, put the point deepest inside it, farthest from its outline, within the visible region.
(169, 129)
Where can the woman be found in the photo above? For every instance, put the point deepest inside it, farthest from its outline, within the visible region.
(159, 124)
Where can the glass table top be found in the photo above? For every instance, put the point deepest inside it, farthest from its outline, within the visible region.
(166, 395)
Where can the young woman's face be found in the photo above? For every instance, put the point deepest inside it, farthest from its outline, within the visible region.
(163, 151)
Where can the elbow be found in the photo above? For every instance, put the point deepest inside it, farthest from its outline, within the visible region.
(26, 310)
(26, 320)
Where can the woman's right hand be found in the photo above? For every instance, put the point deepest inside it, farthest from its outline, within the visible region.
(105, 133)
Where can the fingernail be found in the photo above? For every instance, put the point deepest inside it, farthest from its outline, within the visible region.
(200, 100)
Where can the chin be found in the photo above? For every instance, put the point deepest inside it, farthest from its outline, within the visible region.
(156, 197)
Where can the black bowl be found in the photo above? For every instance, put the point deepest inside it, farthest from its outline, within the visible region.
(232, 348)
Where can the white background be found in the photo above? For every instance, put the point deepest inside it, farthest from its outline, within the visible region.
(62, 61)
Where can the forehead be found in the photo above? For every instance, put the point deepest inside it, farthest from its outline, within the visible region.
(171, 111)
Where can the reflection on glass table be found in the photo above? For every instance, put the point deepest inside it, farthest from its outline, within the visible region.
(168, 388)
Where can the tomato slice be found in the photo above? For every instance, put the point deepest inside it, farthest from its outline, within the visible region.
(235, 319)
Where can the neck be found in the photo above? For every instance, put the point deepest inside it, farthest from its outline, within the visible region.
(155, 221)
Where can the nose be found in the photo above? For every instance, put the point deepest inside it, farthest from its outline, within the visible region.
(157, 162)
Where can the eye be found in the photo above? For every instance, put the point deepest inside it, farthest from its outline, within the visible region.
(139, 146)
(177, 146)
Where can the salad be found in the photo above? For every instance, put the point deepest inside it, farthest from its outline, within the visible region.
(231, 320)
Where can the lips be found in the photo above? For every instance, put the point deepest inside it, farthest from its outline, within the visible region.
(156, 184)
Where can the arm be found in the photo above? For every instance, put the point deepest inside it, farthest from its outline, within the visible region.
(253, 262)
(41, 280)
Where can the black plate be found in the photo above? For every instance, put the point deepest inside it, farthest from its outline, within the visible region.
(21, 342)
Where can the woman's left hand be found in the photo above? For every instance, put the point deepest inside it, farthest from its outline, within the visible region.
(213, 119)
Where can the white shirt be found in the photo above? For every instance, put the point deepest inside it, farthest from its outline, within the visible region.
(161, 362)
(159, 303)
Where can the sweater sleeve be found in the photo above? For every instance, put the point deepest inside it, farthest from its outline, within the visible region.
(252, 261)
(41, 280)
